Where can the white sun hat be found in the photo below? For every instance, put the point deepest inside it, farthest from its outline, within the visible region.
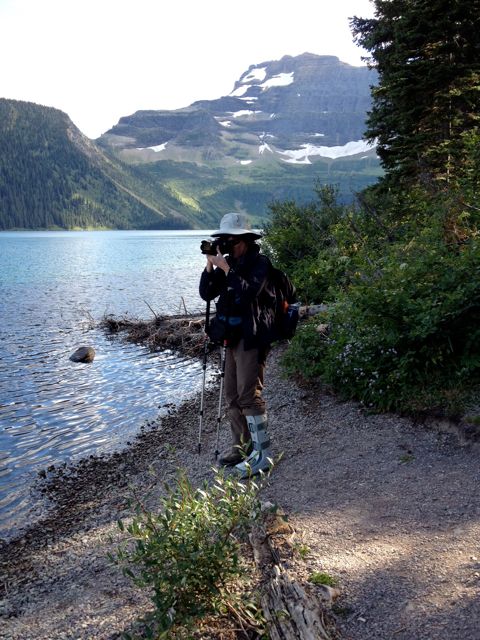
(235, 224)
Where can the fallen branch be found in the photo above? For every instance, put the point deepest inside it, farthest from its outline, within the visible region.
(183, 333)
(179, 333)
(156, 316)
(182, 304)
(291, 613)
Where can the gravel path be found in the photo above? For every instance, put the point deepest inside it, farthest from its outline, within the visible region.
(388, 508)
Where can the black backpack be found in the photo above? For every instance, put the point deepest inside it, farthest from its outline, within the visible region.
(286, 305)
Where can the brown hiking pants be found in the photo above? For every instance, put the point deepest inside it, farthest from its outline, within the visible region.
(243, 389)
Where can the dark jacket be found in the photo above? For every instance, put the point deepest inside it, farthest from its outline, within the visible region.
(244, 293)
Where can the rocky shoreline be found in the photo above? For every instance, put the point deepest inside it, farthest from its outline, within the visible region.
(387, 507)
(85, 502)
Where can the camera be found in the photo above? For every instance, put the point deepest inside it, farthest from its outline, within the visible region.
(209, 247)
(225, 244)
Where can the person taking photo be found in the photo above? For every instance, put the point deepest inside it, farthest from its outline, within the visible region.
(238, 275)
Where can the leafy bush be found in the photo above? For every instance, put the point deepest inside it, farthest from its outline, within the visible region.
(405, 320)
(188, 553)
(301, 240)
(408, 338)
(306, 352)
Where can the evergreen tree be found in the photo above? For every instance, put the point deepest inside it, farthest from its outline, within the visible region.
(426, 106)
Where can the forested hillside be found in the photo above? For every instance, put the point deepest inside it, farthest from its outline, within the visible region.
(51, 176)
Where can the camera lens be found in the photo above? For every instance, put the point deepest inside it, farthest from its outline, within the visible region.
(208, 248)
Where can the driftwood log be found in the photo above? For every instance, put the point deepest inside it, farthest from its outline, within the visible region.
(307, 311)
(182, 333)
(291, 613)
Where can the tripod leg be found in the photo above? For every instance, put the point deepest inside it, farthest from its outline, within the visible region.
(204, 367)
(222, 382)
(202, 398)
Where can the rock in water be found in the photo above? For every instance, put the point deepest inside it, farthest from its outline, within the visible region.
(83, 354)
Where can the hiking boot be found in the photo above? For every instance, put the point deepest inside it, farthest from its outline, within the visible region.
(260, 459)
(235, 455)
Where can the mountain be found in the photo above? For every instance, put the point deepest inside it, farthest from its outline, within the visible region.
(286, 125)
(52, 176)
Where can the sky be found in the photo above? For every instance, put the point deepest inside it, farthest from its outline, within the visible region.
(99, 60)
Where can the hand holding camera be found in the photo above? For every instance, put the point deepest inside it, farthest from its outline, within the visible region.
(209, 247)
(214, 251)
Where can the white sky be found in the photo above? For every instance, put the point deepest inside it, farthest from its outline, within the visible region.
(98, 60)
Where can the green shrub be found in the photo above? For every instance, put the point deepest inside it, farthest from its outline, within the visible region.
(188, 553)
(410, 337)
(318, 577)
(406, 333)
(301, 240)
(306, 352)
(405, 317)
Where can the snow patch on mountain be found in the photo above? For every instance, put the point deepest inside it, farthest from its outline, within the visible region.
(264, 147)
(156, 148)
(258, 73)
(240, 91)
(302, 155)
(280, 80)
(243, 112)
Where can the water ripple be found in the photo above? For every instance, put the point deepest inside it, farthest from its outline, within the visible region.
(53, 410)
(63, 411)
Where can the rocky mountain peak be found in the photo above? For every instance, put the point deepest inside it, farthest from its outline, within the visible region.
(290, 102)
(286, 124)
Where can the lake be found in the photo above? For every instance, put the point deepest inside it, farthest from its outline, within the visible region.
(54, 287)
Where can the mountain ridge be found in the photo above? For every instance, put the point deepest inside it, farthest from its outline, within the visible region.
(286, 126)
(304, 111)
(295, 99)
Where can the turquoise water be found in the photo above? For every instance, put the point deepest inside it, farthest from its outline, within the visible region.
(54, 287)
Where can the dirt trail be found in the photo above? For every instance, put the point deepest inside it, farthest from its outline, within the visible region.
(388, 508)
